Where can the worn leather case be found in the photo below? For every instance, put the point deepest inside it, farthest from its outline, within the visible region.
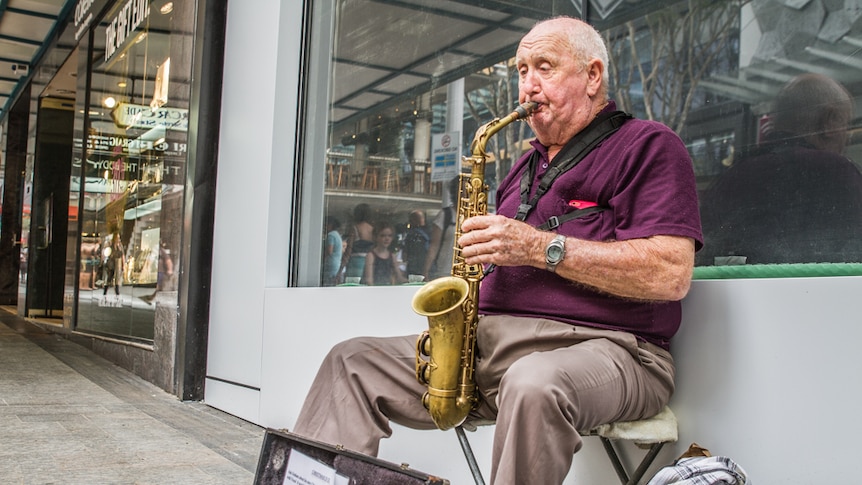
(360, 469)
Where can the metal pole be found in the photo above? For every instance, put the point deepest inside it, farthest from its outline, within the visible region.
(468, 453)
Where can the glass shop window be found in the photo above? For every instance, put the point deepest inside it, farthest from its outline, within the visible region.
(779, 182)
(132, 176)
(409, 86)
(784, 188)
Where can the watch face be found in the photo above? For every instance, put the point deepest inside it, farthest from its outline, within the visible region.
(555, 253)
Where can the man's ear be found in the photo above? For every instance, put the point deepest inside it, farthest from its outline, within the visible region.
(595, 73)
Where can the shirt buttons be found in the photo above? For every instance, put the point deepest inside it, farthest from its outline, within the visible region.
(545, 165)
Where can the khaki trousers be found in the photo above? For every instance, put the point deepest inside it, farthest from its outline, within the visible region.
(540, 380)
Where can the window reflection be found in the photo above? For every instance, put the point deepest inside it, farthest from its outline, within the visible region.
(132, 176)
(709, 70)
(390, 111)
(795, 197)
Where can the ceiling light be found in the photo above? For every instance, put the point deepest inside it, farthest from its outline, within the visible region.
(167, 8)
(121, 84)
(109, 102)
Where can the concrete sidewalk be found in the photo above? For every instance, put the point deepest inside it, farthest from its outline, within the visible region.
(69, 416)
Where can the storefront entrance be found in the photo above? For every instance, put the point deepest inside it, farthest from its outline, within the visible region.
(49, 215)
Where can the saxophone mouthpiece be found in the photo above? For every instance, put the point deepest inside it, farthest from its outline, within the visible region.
(525, 109)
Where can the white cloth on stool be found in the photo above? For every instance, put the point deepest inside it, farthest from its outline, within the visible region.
(661, 428)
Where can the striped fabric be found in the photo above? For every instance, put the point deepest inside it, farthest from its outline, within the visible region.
(702, 470)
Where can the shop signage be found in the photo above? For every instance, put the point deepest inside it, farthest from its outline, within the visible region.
(128, 18)
(84, 11)
(128, 115)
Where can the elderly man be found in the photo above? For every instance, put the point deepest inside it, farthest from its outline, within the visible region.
(575, 324)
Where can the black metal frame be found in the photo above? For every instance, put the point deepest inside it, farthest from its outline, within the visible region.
(621, 471)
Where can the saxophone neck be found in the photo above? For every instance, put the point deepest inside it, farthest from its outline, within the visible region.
(486, 131)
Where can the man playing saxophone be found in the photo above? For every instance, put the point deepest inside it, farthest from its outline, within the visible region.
(590, 265)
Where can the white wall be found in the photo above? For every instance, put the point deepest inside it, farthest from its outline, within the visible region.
(767, 372)
(251, 234)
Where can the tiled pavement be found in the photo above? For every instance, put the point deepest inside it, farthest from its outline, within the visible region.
(67, 416)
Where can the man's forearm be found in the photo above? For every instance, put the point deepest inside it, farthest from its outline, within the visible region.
(654, 268)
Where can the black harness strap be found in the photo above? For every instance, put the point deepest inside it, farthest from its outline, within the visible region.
(556, 221)
(572, 153)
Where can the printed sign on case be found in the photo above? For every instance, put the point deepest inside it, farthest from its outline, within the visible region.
(304, 470)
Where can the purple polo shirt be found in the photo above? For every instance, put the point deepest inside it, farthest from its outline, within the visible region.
(644, 176)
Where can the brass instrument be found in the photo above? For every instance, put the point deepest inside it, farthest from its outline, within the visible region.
(451, 302)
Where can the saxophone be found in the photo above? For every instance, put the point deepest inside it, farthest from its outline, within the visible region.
(451, 303)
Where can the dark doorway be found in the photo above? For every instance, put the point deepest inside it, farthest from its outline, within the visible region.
(13, 183)
(50, 217)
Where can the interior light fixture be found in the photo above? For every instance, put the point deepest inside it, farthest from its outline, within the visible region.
(109, 102)
(167, 8)
(122, 84)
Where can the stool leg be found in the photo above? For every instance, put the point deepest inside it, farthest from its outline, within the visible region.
(641, 469)
(468, 453)
(341, 177)
(615, 460)
(646, 462)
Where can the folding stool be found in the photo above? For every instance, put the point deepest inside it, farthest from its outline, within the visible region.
(650, 434)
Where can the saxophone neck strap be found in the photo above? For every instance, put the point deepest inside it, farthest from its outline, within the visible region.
(572, 153)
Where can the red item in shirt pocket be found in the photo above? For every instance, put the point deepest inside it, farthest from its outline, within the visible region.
(581, 204)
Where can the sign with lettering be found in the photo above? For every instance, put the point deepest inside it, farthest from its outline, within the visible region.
(83, 17)
(130, 16)
(85, 11)
(445, 150)
(128, 115)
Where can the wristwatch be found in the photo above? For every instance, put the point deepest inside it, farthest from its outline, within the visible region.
(555, 252)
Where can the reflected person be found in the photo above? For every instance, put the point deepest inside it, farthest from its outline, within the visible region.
(332, 251)
(416, 243)
(360, 239)
(438, 260)
(114, 265)
(381, 264)
(795, 198)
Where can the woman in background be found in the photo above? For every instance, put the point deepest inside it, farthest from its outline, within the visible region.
(381, 266)
(360, 239)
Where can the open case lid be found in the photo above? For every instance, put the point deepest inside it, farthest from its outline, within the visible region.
(353, 468)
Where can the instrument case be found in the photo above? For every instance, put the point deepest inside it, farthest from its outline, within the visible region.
(360, 469)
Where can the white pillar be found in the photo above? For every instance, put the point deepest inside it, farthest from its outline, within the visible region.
(422, 143)
(454, 122)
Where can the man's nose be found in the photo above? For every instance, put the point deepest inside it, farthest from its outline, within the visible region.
(529, 84)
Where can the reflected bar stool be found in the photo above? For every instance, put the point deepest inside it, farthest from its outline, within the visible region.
(338, 175)
(391, 180)
(371, 176)
(650, 434)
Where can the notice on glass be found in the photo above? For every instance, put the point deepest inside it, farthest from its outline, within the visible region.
(445, 152)
(304, 470)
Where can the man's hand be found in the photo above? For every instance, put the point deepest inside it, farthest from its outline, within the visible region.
(502, 241)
